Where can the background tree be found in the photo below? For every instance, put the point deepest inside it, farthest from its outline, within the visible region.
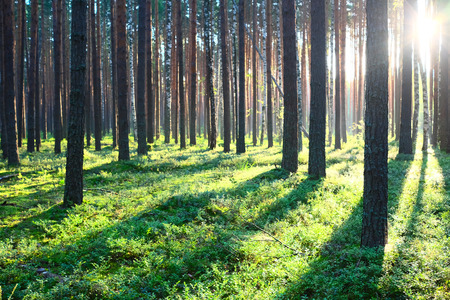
(405, 143)
(96, 80)
(9, 96)
(317, 127)
(181, 76)
(337, 89)
(167, 71)
(142, 141)
(375, 217)
(150, 94)
(289, 160)
(269, 73)
(193, 72)
(212, 136)
(240, 146)
(57, 126)
(122, 79)
(73, 190)
(225, 78)
(31, 76)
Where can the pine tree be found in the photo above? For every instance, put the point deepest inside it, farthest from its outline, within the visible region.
(374, 228)
(317, 131)
(73, 191)
(289, 160)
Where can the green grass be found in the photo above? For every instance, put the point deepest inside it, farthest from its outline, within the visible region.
(201, 224)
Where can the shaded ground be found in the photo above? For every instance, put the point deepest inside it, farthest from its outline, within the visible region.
(204, 224)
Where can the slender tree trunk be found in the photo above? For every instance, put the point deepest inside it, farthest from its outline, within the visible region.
(337, 89)
(114, 71)
(225, 78)
(168, 71)
(20, 70)
(180, 76)
(212, 136)
(426, 115)
(415, 128)
(375, 225)
(150, 96)
(193, 72)
(289, 160)
(73, 192)
(269, 73)
(317, 127)
(405, 144)
(343, 89)
(32, 76)
(96, 82)
(141, 82)
(122, 79)
(240, 147)
(157, 76)
(57, 94)
(8, 86)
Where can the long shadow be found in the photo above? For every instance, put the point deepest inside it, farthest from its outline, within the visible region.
(167, 245)
(341, 269)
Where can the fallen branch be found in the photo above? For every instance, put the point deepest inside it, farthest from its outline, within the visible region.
(101, 190)
(296, 252)
(6, 177)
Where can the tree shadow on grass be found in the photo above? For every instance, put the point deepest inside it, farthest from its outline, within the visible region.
(341, 269)
(149, 254)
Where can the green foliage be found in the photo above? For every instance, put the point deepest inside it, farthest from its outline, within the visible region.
(201, 224)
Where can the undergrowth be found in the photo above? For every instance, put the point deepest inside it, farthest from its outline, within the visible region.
(202, 224)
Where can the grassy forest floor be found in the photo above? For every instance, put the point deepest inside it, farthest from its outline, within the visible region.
(201, 224)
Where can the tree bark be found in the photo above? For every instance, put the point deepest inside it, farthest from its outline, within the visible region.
(289, 160)
(317, 127)
(141, 81)
(9, 93)
(168, 71)
(73, 191)
(337, 89)
(32, 76)
(181, 76)
(193, 73)
(225, 78)
(150, 95)
(96, 81)
(240, 147)
(375, 225)
(269, 73)
(57, 130)
(122, 78)
(405, 144)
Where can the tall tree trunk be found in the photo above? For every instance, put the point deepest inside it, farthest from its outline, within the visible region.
(426, 115)
(73, 191)
(317, 127)
(20, 70)
(405, 144)
(240, 147)
(254, 75)
(212, 136)
(337, 89)
(32, 76)
(114, 71)
(225, 78)
(193, 72)
(150, 98)
(157, 75)
(122, 79)
(269, 73)
(343, 89)
(96, 81)
(289, 160)
(375, 225)
(168, 71)
(415, 128)
(57, 130)
(180, 76)
(141, 82)
(8, 86)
